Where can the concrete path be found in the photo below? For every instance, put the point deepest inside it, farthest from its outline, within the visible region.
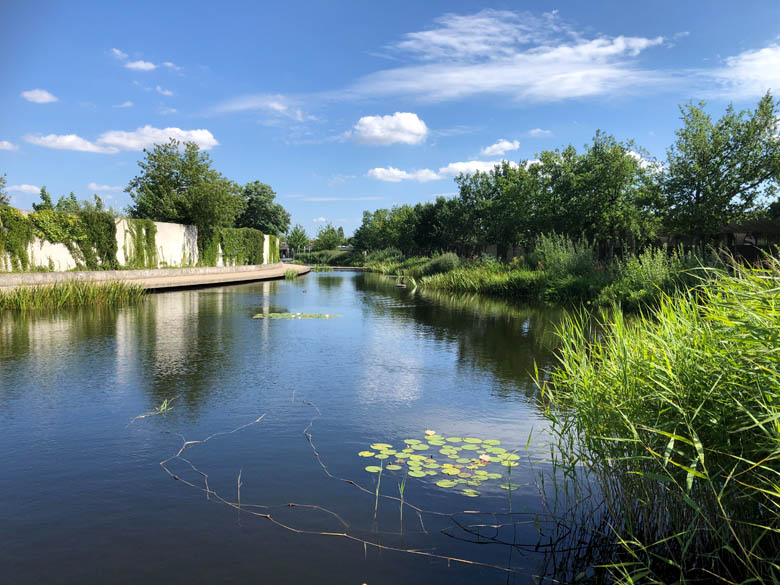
(157, 279)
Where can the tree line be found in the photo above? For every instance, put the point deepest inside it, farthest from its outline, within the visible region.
(611, 193)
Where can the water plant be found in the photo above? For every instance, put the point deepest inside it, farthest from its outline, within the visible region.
(674, 414)
(290, 274)
(465, 462)
(70, 294)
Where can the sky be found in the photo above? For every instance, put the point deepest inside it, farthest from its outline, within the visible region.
(349, 106)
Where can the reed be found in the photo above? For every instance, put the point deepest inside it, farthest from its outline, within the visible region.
(70, 294)
(675, 414)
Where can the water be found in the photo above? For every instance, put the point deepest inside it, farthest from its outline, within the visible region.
(84, 498)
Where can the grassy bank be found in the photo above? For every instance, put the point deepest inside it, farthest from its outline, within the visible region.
(71, 294)
(687, 457)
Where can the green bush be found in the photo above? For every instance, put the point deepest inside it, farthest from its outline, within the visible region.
(439, 264)
(16, 233)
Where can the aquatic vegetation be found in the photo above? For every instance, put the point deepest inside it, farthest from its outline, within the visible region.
(466, 462)
(294, 316)
(290, 274)
(70, 294)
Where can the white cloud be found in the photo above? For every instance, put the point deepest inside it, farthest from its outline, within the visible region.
(171, 65)
(39, 96)
(319, 220)
(163, 91)
(748, 74)
(274, 104)
(394, 175)
(29, 189)
(165, 111)
(127, 104)
(539, 132)
(140, 65)
(97, 187)
(6, 145)
(403, 127)
(501, 147)
(121, 55)
(114, 141)
(524, 56)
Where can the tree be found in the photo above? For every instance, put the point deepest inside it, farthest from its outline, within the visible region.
(180, 186)
(46, 202)
(716, 171)
(260, 211)
(4, 199)
(328, 238)
(297, 238)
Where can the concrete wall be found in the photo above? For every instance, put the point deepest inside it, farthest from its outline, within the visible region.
(177, 246)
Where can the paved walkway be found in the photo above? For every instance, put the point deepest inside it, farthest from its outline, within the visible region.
(157, 279)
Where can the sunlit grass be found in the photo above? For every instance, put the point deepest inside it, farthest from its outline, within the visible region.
(70, 294)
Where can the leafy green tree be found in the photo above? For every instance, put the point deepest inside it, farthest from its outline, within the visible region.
(46, 202)
(178, 185)
(297, 238)
(716, 171)
(260, 211)
(4, 199)
(328, 238)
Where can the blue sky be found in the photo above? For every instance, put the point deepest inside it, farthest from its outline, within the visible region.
(347, 106)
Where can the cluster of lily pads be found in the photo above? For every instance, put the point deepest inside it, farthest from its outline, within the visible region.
(466, 462)
(294, 316)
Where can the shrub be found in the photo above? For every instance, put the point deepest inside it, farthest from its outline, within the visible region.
(439, 264)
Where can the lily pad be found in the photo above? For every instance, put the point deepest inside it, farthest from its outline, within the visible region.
(294, 316)
(463, 460)
(420, 447)
(509, 486)
(366, 454)
(510, 463)
(373, 468)
(416, 474)
(412, 441)
(472, 440)
(491, 442)
(402, 455)
(470, 493)
(446, 483)
(381, 456)
(470, 447)
(454, 440)
(431, 472)
(381, 446)
(450, 471)
(393, 467)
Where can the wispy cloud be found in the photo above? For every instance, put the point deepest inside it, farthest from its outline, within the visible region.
(394, 175)
(171, 65)
(400, 127)
(98, 187)
(274, 104)
(39, 96)
(141, 65)
(748, 74)
(127, 104)
(539, 132)
(7, 145)
(319, 220)
(163, 91)
(521, 55)
(115, 141)
(24, 188)
(501, 147)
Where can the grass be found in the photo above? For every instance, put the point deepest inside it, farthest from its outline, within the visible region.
(290, 274)
(686, 457)
(70, 294)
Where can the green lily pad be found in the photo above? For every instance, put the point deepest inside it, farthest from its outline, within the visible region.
(412, 441)
(509, 463)
(474, 483)
(416, 474)
(381, 446)
(509, 486)
(450, 471)
(472, 440)
(373, 468)
(464, 474)
(494, 476)
(470, 493)
(463, 460)
(431, 465)
(446, 483)
(431, 472)
(402, 455)
(420, 447)
(434, 438)
(381, 456)
(454, 440)
(491, 442)
(436, 443)
(389, 451)
(393, 467)
(470, 447)
(366, 454)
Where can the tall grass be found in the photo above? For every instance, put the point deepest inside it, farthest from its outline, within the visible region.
(70, 294)
(676, 416)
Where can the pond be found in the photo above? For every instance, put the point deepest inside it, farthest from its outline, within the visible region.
(92, 401)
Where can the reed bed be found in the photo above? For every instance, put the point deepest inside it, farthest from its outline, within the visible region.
(675, 415)
(70, 294)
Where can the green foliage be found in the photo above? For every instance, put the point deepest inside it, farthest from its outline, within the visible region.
(70, 294)
(4, 199)
(685, 458)
(241, 246)
(260, 211)
(290, 274)
(98, 242)
(273, 249)
(297, 238)
(46, 203)
(16, 234)
(718, 170)
(143, 234)
(439, 264)
(181, 187)
(328, 237)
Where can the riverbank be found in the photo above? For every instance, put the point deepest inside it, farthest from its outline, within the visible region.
(155, 279)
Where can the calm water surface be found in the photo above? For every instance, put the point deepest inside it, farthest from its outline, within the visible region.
(84, 498)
